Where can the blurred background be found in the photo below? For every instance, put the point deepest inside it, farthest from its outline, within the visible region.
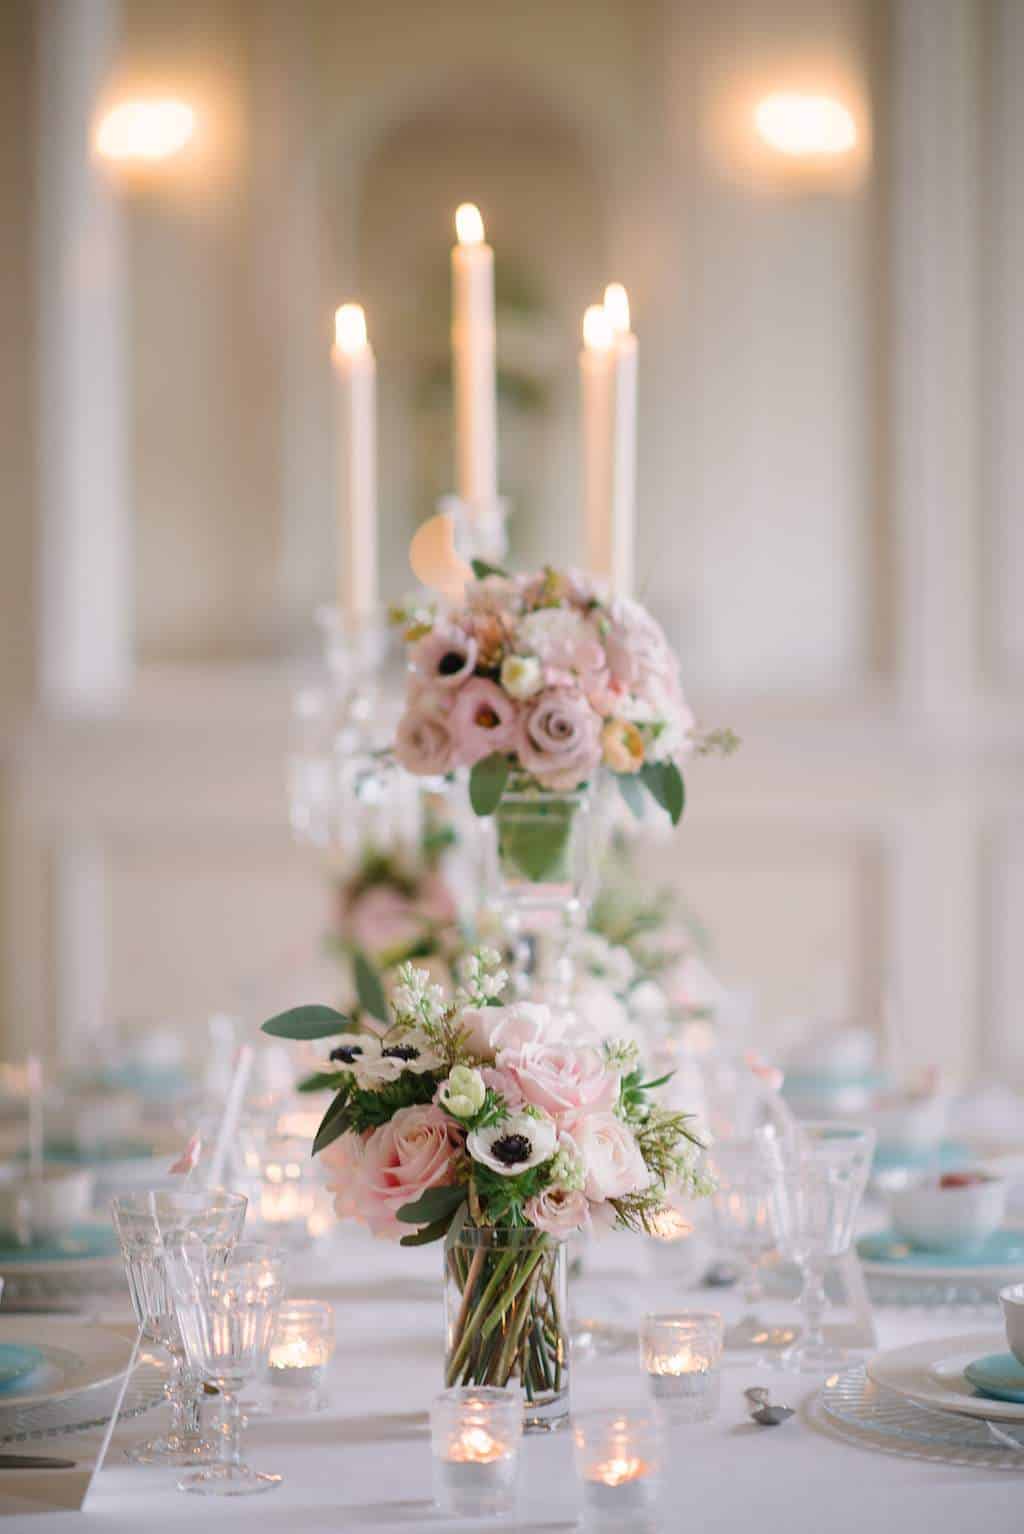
(831, 471)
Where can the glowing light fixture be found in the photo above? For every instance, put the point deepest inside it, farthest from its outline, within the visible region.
(616, 306)
(350, 328)
(145, 130)
(469, 226)
(805, 127)
(598, 334)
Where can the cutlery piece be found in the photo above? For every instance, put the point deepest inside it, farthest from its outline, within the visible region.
(1006, 1439)
(34, 1462)
(720, 1275)
(765, 1411)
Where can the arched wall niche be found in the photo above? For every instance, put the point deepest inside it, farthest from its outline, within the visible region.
(544, 196)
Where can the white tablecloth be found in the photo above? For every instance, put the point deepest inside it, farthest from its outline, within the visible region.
(364, 1464)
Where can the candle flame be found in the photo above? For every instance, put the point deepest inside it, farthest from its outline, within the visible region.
(469, 226)
(597, 328)
(616, 1472)
(616, 306)
(476, 1446)
(805, 126)
(350, 328)
(145, 130)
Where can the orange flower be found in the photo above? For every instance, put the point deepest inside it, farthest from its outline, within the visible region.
(622, 745)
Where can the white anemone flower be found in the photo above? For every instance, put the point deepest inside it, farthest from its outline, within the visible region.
(408, 1052)
(518, 1142)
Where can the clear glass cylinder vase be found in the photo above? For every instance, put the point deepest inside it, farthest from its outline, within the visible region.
(506, 1318)
(543, 868)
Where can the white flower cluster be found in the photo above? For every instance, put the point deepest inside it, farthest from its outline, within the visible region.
(622, 1054)
(483, 979)
(417, 1000)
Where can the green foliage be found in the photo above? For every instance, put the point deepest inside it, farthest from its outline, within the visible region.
(534, 838)
(487, 781)
(664, 782)
(502, 1198)
(320, 1081)
(358, 1110)
(369, 988)
(481, 569)
(315, 1022)
(432, 1205)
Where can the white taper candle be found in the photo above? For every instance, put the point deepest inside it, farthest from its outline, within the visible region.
(597, 379)
(623, 529)
(473, 363)
(355, 374)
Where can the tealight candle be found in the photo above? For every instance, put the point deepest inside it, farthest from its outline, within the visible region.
(618, 1456)
(300, 1350)
(476, 1432)
(682, 1353)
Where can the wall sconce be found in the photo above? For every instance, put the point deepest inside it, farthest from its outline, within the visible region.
(805, 127)
(145, 132)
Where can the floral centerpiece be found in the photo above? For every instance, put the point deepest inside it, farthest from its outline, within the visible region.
(538, 682)
(504, 1130)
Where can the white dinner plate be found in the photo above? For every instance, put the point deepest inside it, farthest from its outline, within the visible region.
(931, 1373)
(76, 1356)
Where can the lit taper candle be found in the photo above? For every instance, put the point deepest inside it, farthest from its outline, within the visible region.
(597, 379)
(623, 530)
(473, 363)
(355, 373)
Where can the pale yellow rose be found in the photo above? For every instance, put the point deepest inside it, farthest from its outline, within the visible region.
(622, 746)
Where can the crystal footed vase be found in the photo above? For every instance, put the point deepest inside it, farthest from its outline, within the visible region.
(506, 1318)
(543, 859)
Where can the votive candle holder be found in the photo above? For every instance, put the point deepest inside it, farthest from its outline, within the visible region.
(681, 1352)
(619, 1461)
(475, 1434)
(301, 1348)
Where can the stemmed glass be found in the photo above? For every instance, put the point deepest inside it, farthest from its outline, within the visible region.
(818, 1172)
(226, 1309)
(149, 1225)
(743, 1223)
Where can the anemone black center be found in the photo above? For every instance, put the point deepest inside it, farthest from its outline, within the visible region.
(510, 1149)
(346, 1053)
(450, 663)
(401, 1052)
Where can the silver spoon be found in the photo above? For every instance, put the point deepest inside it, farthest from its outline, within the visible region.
(763, 1410)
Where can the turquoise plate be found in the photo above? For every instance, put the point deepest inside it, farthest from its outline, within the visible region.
(1003, 1249)
(79, 1241)
(997, 1375)
(17, 1360)
(947, 1157)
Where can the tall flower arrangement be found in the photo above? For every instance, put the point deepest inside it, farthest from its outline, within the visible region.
(544, 680)
(473, 1114)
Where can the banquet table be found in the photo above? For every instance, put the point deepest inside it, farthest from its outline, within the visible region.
(364, 1463)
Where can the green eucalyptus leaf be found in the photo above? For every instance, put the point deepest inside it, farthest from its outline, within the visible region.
(665, 784)
(481, 569)
(432, 1205)
(487, 783)
(369, 988)
(313, 1022)
(434, 1232)
(320, 1081)
(632, 792)
(333, 1124)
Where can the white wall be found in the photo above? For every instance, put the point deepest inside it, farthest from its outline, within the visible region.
(830, 485)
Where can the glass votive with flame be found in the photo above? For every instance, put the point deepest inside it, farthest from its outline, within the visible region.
(681, 1352)
(618, 1458)
(475, 1432)
(300, 1350)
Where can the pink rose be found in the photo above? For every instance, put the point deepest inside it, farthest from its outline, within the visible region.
(488, 1029)
(505, 1085)
(445, 657)
(417, 1149)
(560, 738)
(563, 1079)
(423, 743)
(484, 719)
(344, 1157)
(558, 1211)
(611, 1157)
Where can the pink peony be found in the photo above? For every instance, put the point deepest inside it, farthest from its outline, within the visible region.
(484, 719)
(560, 739)
(417, 1149)
(489, 1029)
(640, 658)
(558, 1211)
(566, 643)
(611, 1157)
(445, 657)
(564, 1079)
(423, 742)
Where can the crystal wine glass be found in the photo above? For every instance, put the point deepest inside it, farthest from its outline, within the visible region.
(741, 1201)
(818, 1173)
(226, 1308)
(148, 1226)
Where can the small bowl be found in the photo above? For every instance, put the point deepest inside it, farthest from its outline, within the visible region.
(908, 1125)
(948, 1219)
(1012, 1300)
